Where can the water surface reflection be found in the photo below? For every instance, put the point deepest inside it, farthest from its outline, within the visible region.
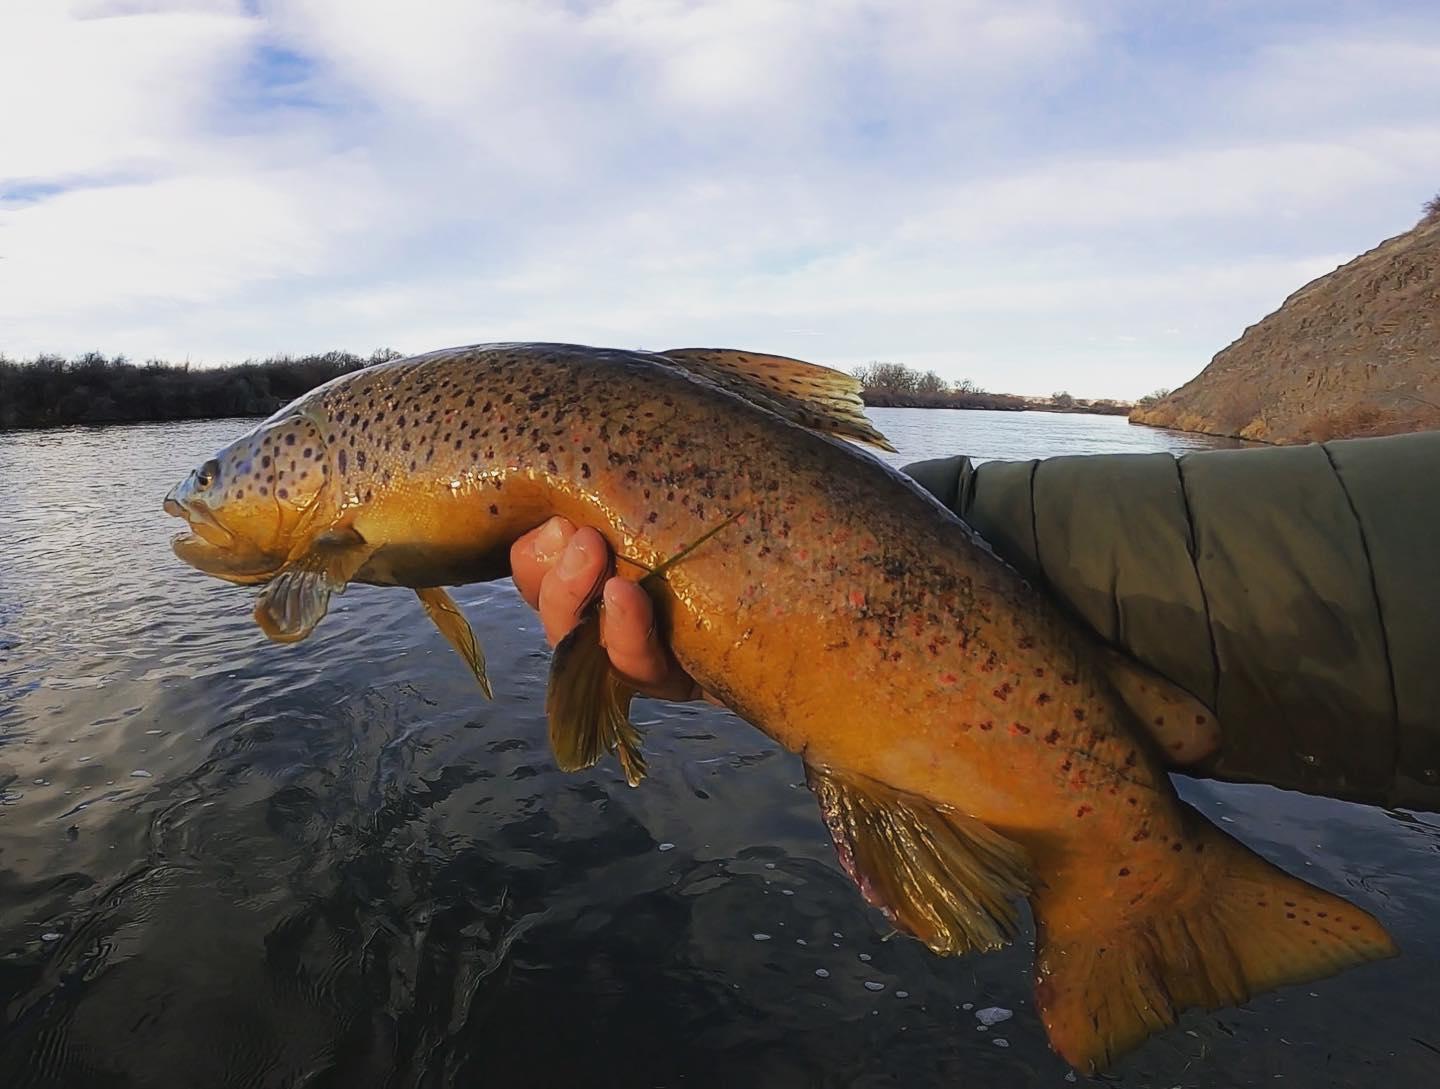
(226, 862)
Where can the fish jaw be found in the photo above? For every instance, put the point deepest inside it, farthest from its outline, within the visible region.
(209, 547)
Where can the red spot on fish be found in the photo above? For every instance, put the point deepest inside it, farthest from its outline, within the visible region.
(1159, 720)
(948, 678)
(1003, 692)
(1124, 871)
(1083, 810)
(987, 725)
(1018, 729)
(1068, 678)
(857, 599)
(1178, 846)
(1199, 720)
(1043, 698)
(1144, 833)
(1079, 714)
(1026, 643)
(1039, 671)
(1052, 737)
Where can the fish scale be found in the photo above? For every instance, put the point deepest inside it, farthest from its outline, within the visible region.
(970, 744)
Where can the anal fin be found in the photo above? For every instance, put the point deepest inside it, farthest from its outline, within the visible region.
(938, 875)
(441, 608)
(588, 704)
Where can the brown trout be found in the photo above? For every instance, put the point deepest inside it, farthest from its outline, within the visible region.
(970, 745)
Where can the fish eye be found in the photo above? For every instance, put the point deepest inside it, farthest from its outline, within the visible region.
(207, 473)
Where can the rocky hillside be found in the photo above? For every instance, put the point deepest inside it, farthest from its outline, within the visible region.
(1356, 352)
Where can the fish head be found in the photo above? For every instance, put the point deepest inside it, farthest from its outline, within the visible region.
(254, 505)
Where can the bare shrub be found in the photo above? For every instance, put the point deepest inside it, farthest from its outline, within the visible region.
(1347, 422)
(1430, 212)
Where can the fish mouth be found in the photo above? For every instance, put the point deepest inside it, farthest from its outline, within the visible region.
(201, 521)
(208, 546)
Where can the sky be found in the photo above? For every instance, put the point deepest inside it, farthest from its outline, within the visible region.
(1037, 195)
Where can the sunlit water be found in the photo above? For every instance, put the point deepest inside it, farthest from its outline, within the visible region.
(226, 862)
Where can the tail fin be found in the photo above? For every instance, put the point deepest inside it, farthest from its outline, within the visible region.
(1241, 927)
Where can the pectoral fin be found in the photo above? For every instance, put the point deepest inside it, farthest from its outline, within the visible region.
(441, 608)
(1183, 728)
(296, 599)
(936, 874)
(589, 705)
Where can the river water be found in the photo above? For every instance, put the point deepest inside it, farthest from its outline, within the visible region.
(225, 862)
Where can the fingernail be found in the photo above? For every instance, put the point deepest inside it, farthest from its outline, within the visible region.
(574, 559)
(550, 540)
(614, 600)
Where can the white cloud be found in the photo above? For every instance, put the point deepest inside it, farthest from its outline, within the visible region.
(940, 181)
(1244, 181)
(182, 240)
(99, 89)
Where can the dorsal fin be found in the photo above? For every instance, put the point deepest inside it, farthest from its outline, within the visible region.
(805, 393)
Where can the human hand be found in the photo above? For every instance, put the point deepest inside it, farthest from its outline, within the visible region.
(558, 569)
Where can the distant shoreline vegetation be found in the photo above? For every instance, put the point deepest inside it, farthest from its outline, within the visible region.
(95, 389)
(51, 391)
(895, 385)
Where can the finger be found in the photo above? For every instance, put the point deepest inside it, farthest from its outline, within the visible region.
(533, 555)
(636, 653)
(574, 580)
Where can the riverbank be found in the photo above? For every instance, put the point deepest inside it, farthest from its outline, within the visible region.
(1351, 354)
(994, 402)
(96, 389)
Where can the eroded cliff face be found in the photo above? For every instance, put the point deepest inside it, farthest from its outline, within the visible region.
(1356, 352)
